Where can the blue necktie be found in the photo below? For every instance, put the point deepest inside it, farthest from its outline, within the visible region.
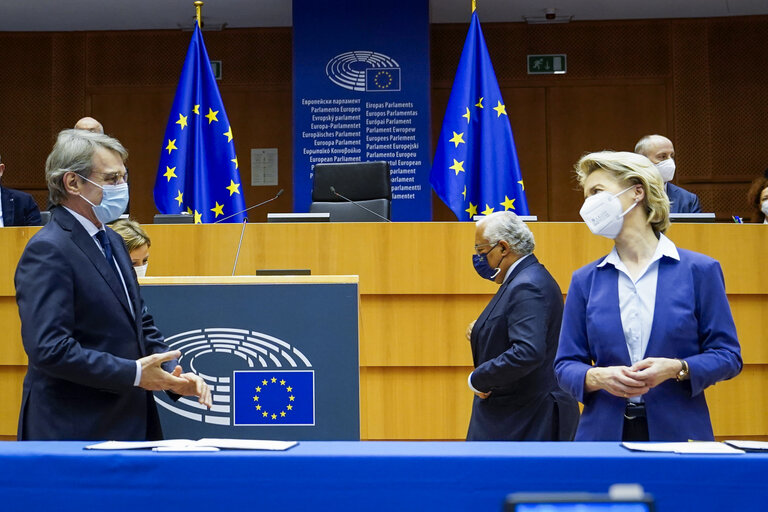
(101, 236)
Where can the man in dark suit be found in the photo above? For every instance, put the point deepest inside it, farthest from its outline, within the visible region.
(95, 355)
(659, 150)
(514, 341)
(17, 208)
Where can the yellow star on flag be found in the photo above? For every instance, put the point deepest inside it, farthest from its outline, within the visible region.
(500, 109)
(464, 194)
(274, 416)
(229, 134)
(289, 389)
(182, 121)
(265, 414)
(171, 145)
(198, 217)
(234, 188)
(258, 389)
(235, 161)
(211, 115)
(457, 166)
(458, 138)
(196, 109)
(180, 198)
(282, 414)
(170, 172)
(291, 398)
(488, 210)
(289, 407)
(264, 382)
(218, 210)
(472, 210)
(255, 398)
(508, 204)
(258, 407)
(467, 115)
(522, 185)
(282, 382)
(479, 102)
(274, 379)
(189, 210)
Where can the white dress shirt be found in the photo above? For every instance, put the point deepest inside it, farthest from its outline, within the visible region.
(91, 228)
(637, 298)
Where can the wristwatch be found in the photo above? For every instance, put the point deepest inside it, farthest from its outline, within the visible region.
(683, 374)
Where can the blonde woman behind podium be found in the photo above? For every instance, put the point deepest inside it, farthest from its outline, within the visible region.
(136, 241)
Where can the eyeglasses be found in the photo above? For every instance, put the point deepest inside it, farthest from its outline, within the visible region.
(113, 178)
(478, 246)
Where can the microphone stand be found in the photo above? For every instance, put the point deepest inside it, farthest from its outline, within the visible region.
(333, 191)
(279, 193)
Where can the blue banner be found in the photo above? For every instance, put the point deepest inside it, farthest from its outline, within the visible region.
(361, 93)
(275, 398)
(199, 173)
(476, 171)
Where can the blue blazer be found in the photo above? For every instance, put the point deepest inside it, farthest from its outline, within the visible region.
(19, 209)
(82, 340)
(682, 201)
(513, 346)
(692, 321)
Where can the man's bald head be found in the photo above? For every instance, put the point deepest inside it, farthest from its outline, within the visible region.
(89, 124)
(656, 148)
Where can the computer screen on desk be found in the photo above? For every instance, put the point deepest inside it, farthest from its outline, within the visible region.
(575, 502)
(692, 217)
(298, 217)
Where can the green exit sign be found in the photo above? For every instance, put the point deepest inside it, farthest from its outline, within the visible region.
(216, 67)
(546, 64)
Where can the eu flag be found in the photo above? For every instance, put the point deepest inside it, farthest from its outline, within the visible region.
(475, 170)
(198, 171)
(276, 397)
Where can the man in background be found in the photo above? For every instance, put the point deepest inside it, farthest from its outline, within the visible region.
(17, 208)
(89, 124)
(659, 150)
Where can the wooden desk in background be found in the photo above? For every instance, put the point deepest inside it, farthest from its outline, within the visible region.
(418, 293)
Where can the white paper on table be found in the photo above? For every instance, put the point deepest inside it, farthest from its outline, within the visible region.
(207, 444)
(756, 446)
(703, 447)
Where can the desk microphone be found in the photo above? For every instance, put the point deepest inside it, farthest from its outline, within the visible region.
(279, 193)
(245, 221)
(333, 191)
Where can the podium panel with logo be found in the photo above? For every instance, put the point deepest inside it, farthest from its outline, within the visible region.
(279, 353)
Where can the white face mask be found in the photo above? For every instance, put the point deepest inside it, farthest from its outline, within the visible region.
(141, 270)
(764, 207)
(666, 169)
(602, 213)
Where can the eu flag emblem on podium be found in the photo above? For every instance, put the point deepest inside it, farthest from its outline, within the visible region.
(199, 173)
(475, 170)
(274, 397)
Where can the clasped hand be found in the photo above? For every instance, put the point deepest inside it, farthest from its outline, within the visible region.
(632, 381)
(155, 378)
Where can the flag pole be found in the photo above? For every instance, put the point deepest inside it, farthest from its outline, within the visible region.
(199, 16)
(474, 5)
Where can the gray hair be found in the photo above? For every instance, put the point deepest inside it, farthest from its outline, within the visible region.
(647, 142)
(73, 152)
(508, 227)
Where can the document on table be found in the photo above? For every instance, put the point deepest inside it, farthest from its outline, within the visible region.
(750, 446)
(187, 445)
(705, 447)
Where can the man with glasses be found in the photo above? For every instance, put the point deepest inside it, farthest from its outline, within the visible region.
(95, 355)
(514, 341)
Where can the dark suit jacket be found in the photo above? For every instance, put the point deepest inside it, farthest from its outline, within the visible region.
(691, 321)
(682, 201)
(19, 209)
(81, 339)
(513, 346)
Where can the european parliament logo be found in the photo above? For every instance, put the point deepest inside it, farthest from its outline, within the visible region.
(275, 397)
(234, 363)
(364, 71)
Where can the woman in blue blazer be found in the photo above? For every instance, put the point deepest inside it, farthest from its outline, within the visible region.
(647, 328)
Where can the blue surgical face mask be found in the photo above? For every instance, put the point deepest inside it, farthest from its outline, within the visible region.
(483, 268)
(114, 200)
